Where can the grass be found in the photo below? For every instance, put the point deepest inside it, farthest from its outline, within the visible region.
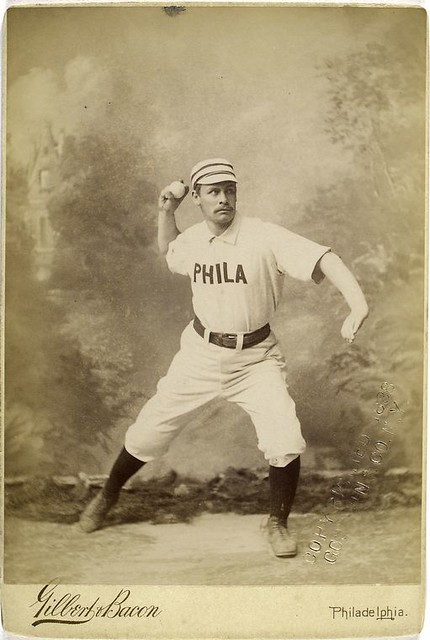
(175, 499)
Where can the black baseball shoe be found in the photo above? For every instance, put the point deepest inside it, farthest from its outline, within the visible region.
(96, 511)
(282, 543)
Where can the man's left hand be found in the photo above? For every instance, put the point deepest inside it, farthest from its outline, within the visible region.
(352, 323)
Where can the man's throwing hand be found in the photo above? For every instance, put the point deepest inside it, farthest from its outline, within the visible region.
(167, 201)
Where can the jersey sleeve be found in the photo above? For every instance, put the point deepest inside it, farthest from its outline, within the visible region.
(295, 255)
(176, 256)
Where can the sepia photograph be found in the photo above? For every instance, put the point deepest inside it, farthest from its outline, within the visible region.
(214, 320)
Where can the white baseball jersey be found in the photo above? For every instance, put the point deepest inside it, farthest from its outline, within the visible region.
(237, 277)
(236, 280)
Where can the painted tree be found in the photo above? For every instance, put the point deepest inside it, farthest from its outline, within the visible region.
(377, 114)
(55, 407)
(102, 213)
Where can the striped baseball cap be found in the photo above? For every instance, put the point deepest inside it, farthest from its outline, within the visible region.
(212, 171)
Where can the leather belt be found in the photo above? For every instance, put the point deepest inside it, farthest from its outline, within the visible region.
(230, 340)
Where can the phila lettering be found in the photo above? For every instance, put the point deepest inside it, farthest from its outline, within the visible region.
(219, 273)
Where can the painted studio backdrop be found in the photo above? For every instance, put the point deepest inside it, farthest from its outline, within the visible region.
(322, 112)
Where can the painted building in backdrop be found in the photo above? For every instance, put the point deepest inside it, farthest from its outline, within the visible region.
(42, 177)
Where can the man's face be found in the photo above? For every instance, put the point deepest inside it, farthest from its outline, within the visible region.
(218, 204)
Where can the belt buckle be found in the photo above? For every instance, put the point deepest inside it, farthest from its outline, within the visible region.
(230, 338)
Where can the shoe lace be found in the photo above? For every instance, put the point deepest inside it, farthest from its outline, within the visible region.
(278, 526)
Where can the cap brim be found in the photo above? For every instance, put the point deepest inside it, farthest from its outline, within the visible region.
(219, 177)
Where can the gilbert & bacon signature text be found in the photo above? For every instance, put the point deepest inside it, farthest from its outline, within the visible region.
(57, 605)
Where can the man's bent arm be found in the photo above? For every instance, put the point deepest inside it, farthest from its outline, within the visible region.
(167, 229)
(342, 278)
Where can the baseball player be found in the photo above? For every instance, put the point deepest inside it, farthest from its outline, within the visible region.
(236, 266)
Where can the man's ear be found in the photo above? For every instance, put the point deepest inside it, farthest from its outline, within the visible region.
(196, 197)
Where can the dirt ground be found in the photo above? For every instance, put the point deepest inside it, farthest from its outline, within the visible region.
(226, 549)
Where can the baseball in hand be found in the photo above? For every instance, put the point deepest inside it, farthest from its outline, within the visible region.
(177, 189)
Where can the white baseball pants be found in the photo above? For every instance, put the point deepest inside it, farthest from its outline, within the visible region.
(253, 378)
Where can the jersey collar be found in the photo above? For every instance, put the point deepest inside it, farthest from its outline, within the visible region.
(229, 235)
